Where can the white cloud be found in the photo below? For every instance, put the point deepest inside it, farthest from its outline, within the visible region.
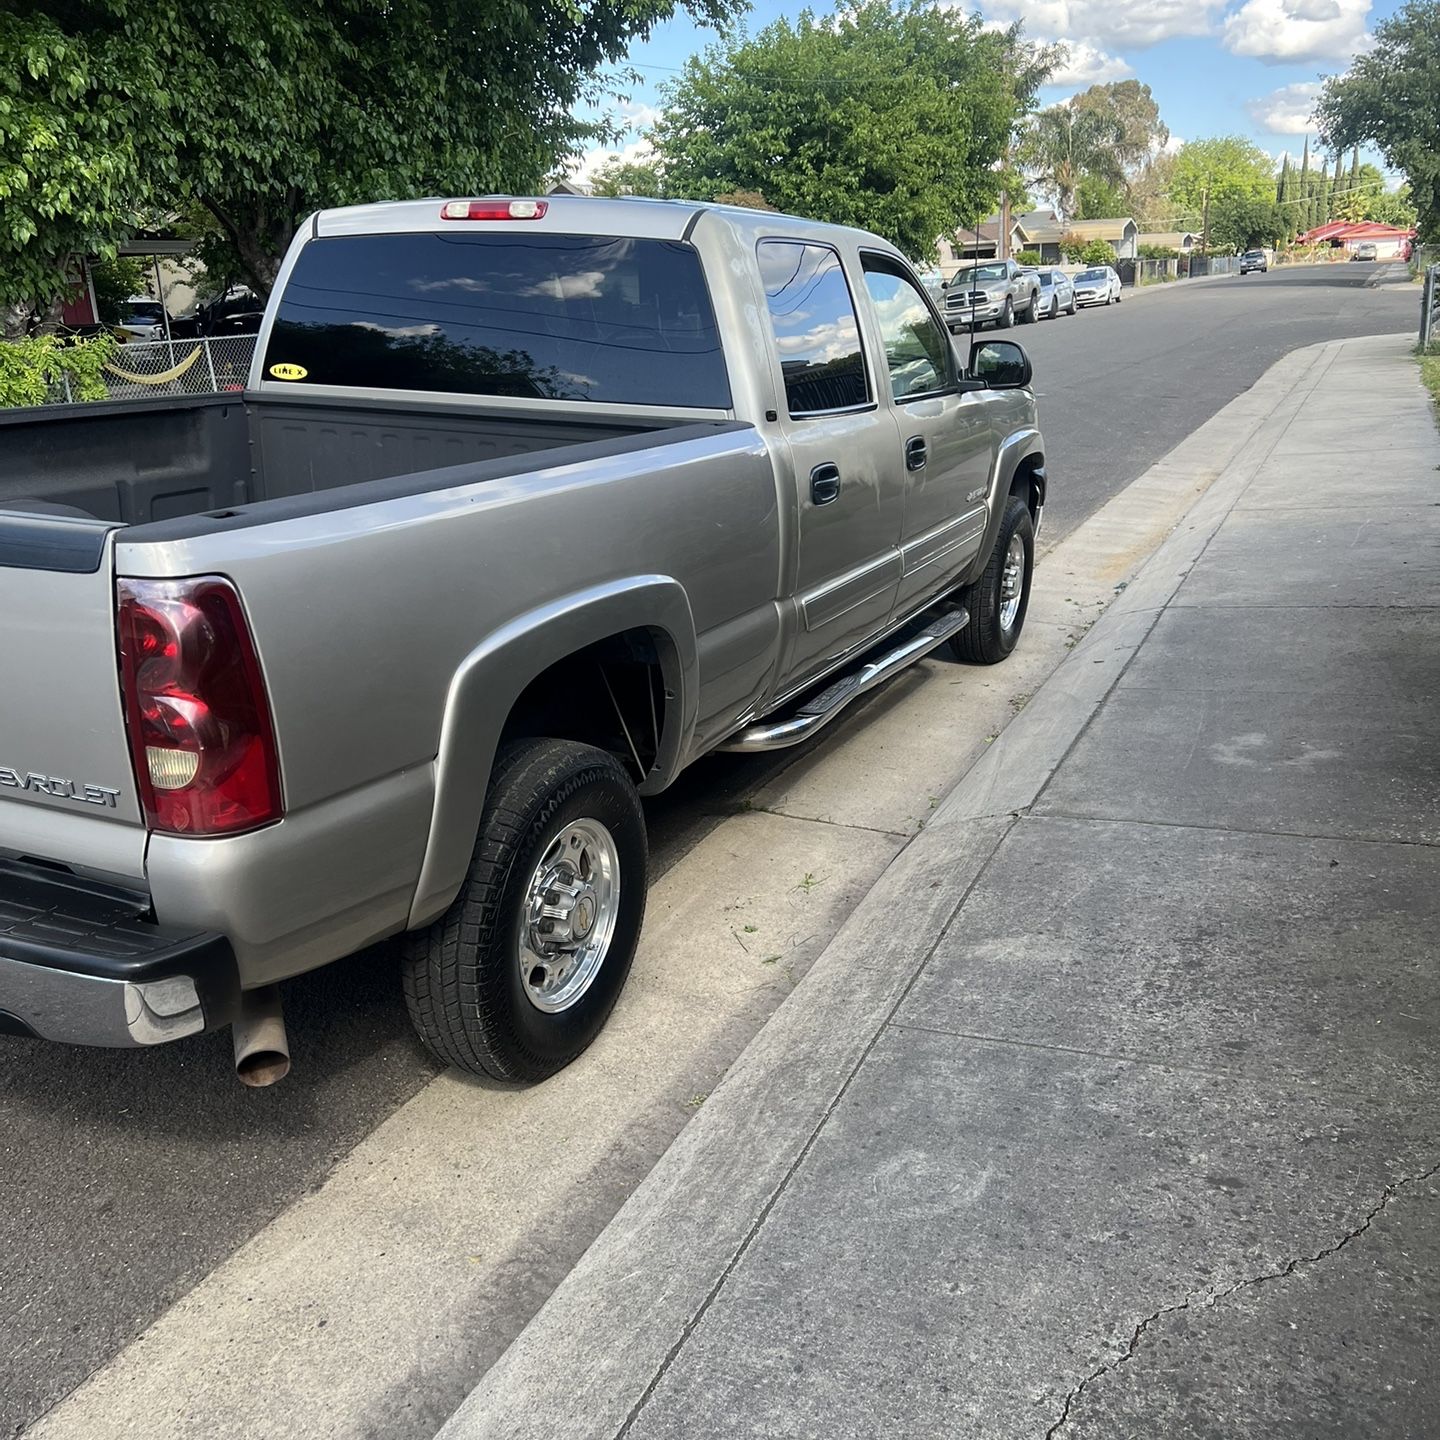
(631, 117)
(1285, 31)
(1087, 64)
(1106, 26)
(1286, 111)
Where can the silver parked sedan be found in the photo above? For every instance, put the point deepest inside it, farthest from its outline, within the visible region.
(1056, 294)
(1099, 285)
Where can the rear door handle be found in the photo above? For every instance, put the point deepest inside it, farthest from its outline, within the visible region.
(915, 453)
(825, 483)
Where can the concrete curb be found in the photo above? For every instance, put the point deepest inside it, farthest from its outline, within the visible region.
(628, 1307)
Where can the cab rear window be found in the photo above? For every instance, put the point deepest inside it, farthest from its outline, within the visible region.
(608, 320)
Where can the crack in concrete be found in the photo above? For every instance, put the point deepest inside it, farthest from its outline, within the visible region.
(1211, 1298)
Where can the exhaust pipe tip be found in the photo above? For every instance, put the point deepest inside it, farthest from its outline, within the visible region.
(262, 1068)
(262, 1048)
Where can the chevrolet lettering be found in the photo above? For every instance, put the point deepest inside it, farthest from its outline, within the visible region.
(59, 789)
(395, 642)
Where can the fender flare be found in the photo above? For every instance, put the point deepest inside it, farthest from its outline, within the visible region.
(1015, 449)
(493, 676)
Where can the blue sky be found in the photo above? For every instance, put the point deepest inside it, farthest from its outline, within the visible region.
(1216, 67)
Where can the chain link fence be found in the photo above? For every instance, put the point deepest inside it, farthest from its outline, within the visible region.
(1430, 308)
(148, 370)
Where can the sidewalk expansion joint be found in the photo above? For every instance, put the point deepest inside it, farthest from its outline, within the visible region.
(791, 1170)
(1233, 829)
(1210, 1298)
(815, 820)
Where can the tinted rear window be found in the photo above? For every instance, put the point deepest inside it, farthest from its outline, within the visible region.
(552, 317)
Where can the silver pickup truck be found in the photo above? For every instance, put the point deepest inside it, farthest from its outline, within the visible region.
(527, 505)
(995, 292)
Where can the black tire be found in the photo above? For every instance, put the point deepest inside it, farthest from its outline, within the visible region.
(1073, 306)
(985, 641)
(463, 979)
(1007, 315)
(1032, 310)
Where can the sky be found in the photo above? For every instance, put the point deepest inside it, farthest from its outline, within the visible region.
(1215, 67)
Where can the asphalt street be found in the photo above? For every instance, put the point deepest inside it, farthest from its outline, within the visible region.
(129, 1176)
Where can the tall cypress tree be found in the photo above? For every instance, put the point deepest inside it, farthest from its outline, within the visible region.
(1283, 180)
(1355, 169)
(1305, 218)
(1322, 194)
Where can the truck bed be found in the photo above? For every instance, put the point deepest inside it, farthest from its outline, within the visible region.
(147, 461)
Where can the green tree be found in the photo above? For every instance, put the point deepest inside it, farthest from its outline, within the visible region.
(1235, 177)
(1096, 199)
(1131, 118)
(115, 281)
(629, 177)
(1390, 98)
(1097, 252)
(1063, 145)
(889, 118)
(260, 111)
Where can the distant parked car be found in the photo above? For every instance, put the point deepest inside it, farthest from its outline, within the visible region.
(140, 319)
(1365, 250)
(998, 293)
(1254, 260)
(1057, 293)
(237, 312)
(1099, 285)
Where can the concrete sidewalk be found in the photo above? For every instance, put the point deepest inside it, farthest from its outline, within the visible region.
(1114, 1109)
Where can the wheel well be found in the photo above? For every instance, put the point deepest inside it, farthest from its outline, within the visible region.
(1029, 483)
(611, 694)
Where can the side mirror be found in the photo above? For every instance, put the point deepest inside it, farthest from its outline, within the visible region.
(1000, 364)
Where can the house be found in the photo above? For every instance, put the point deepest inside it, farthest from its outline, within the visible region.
(1041, 230)
(980, 243)
(564, 186)
(1182, 240)
(1390, 241)
(1121, 234)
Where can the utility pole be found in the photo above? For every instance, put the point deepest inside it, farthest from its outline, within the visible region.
(1205, 230)
(1002, 245)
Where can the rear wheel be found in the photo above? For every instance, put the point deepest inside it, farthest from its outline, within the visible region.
(1032, 310)
(999, 599)
(520, 974)
(1073, 307)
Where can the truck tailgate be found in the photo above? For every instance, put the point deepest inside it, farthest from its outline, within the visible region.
(67, 790)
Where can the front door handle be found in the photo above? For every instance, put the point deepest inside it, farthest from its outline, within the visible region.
(915, 453)
(825, 483)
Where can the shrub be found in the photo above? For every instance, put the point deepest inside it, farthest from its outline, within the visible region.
(1097, 252)
(31, 368)
(1158, 252)
(1029, 257)
(1072, 246)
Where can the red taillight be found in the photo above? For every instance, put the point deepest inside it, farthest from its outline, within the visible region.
(199, 721)
(494, 209)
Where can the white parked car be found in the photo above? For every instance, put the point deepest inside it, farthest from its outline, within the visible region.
(1099, 285)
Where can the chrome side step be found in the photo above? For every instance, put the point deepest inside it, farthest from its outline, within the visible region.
(821, 709)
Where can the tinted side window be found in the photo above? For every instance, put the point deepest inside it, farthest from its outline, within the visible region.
(816, 332)
(917, 350)
(546, 316)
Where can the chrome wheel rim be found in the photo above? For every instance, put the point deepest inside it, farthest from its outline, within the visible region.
(569, 914)
(1012, 583)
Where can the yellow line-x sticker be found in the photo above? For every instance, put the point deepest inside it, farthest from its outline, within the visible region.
(288, 372)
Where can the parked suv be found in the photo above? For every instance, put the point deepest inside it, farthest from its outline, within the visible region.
(1365, 250)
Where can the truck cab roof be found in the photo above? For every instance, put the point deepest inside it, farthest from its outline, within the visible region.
(624, 215)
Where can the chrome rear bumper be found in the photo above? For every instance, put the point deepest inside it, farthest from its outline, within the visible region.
(81, 963)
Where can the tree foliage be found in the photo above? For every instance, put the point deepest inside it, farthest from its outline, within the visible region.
(34, 368)
(629, 177)
(1096, 199)
(1238, 179)
(1390, 98)
(1088, 150)
(886, 117)
(260, 111)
